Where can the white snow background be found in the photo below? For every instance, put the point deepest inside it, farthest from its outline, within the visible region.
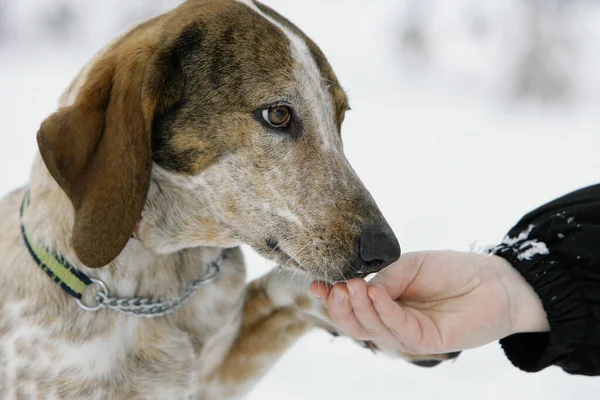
(436, 132)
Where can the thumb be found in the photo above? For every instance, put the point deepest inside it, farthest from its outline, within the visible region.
(396, 278)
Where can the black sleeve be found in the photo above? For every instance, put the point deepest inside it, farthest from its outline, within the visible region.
(557, 249)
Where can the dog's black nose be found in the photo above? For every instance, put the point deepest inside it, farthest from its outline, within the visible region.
(378, 248)
(426, 363)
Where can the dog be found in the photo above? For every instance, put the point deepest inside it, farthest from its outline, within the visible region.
(213, 125)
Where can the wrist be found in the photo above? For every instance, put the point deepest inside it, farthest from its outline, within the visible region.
(525, 308)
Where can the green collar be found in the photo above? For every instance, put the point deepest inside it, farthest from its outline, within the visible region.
(70, 279)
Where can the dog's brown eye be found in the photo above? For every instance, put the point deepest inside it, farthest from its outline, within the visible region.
(277, 116)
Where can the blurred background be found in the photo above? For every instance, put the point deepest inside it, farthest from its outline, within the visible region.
(465, 115)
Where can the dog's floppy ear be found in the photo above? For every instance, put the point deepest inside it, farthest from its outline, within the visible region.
(99, 148)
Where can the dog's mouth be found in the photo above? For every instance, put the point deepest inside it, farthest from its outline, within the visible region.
(272, 250)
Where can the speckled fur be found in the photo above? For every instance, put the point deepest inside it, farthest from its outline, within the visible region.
(218, 179)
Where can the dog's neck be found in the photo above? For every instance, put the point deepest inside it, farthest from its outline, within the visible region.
(49, 219)
(50, 215)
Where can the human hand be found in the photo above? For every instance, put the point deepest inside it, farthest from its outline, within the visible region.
(435, 303)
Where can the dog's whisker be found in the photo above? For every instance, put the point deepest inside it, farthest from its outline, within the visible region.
(337, 268)
(292, 257)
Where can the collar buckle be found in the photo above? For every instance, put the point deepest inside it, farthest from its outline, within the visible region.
(99, 304)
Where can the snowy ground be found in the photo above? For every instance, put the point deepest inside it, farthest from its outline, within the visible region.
(447, 166)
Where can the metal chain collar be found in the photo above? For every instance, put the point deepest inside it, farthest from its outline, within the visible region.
(147, 307)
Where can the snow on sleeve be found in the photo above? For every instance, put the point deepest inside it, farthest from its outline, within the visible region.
(524, 248)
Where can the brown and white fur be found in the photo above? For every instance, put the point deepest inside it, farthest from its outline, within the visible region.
(158, 136)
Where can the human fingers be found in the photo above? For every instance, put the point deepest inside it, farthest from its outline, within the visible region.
(342, 314)
(366, 314)
(320, 290)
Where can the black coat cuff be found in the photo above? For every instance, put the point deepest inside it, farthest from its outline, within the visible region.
(557, 249)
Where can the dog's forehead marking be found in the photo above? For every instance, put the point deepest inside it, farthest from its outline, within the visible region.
(310, 82)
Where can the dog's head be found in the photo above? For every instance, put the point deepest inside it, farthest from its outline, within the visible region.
(216, 124)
